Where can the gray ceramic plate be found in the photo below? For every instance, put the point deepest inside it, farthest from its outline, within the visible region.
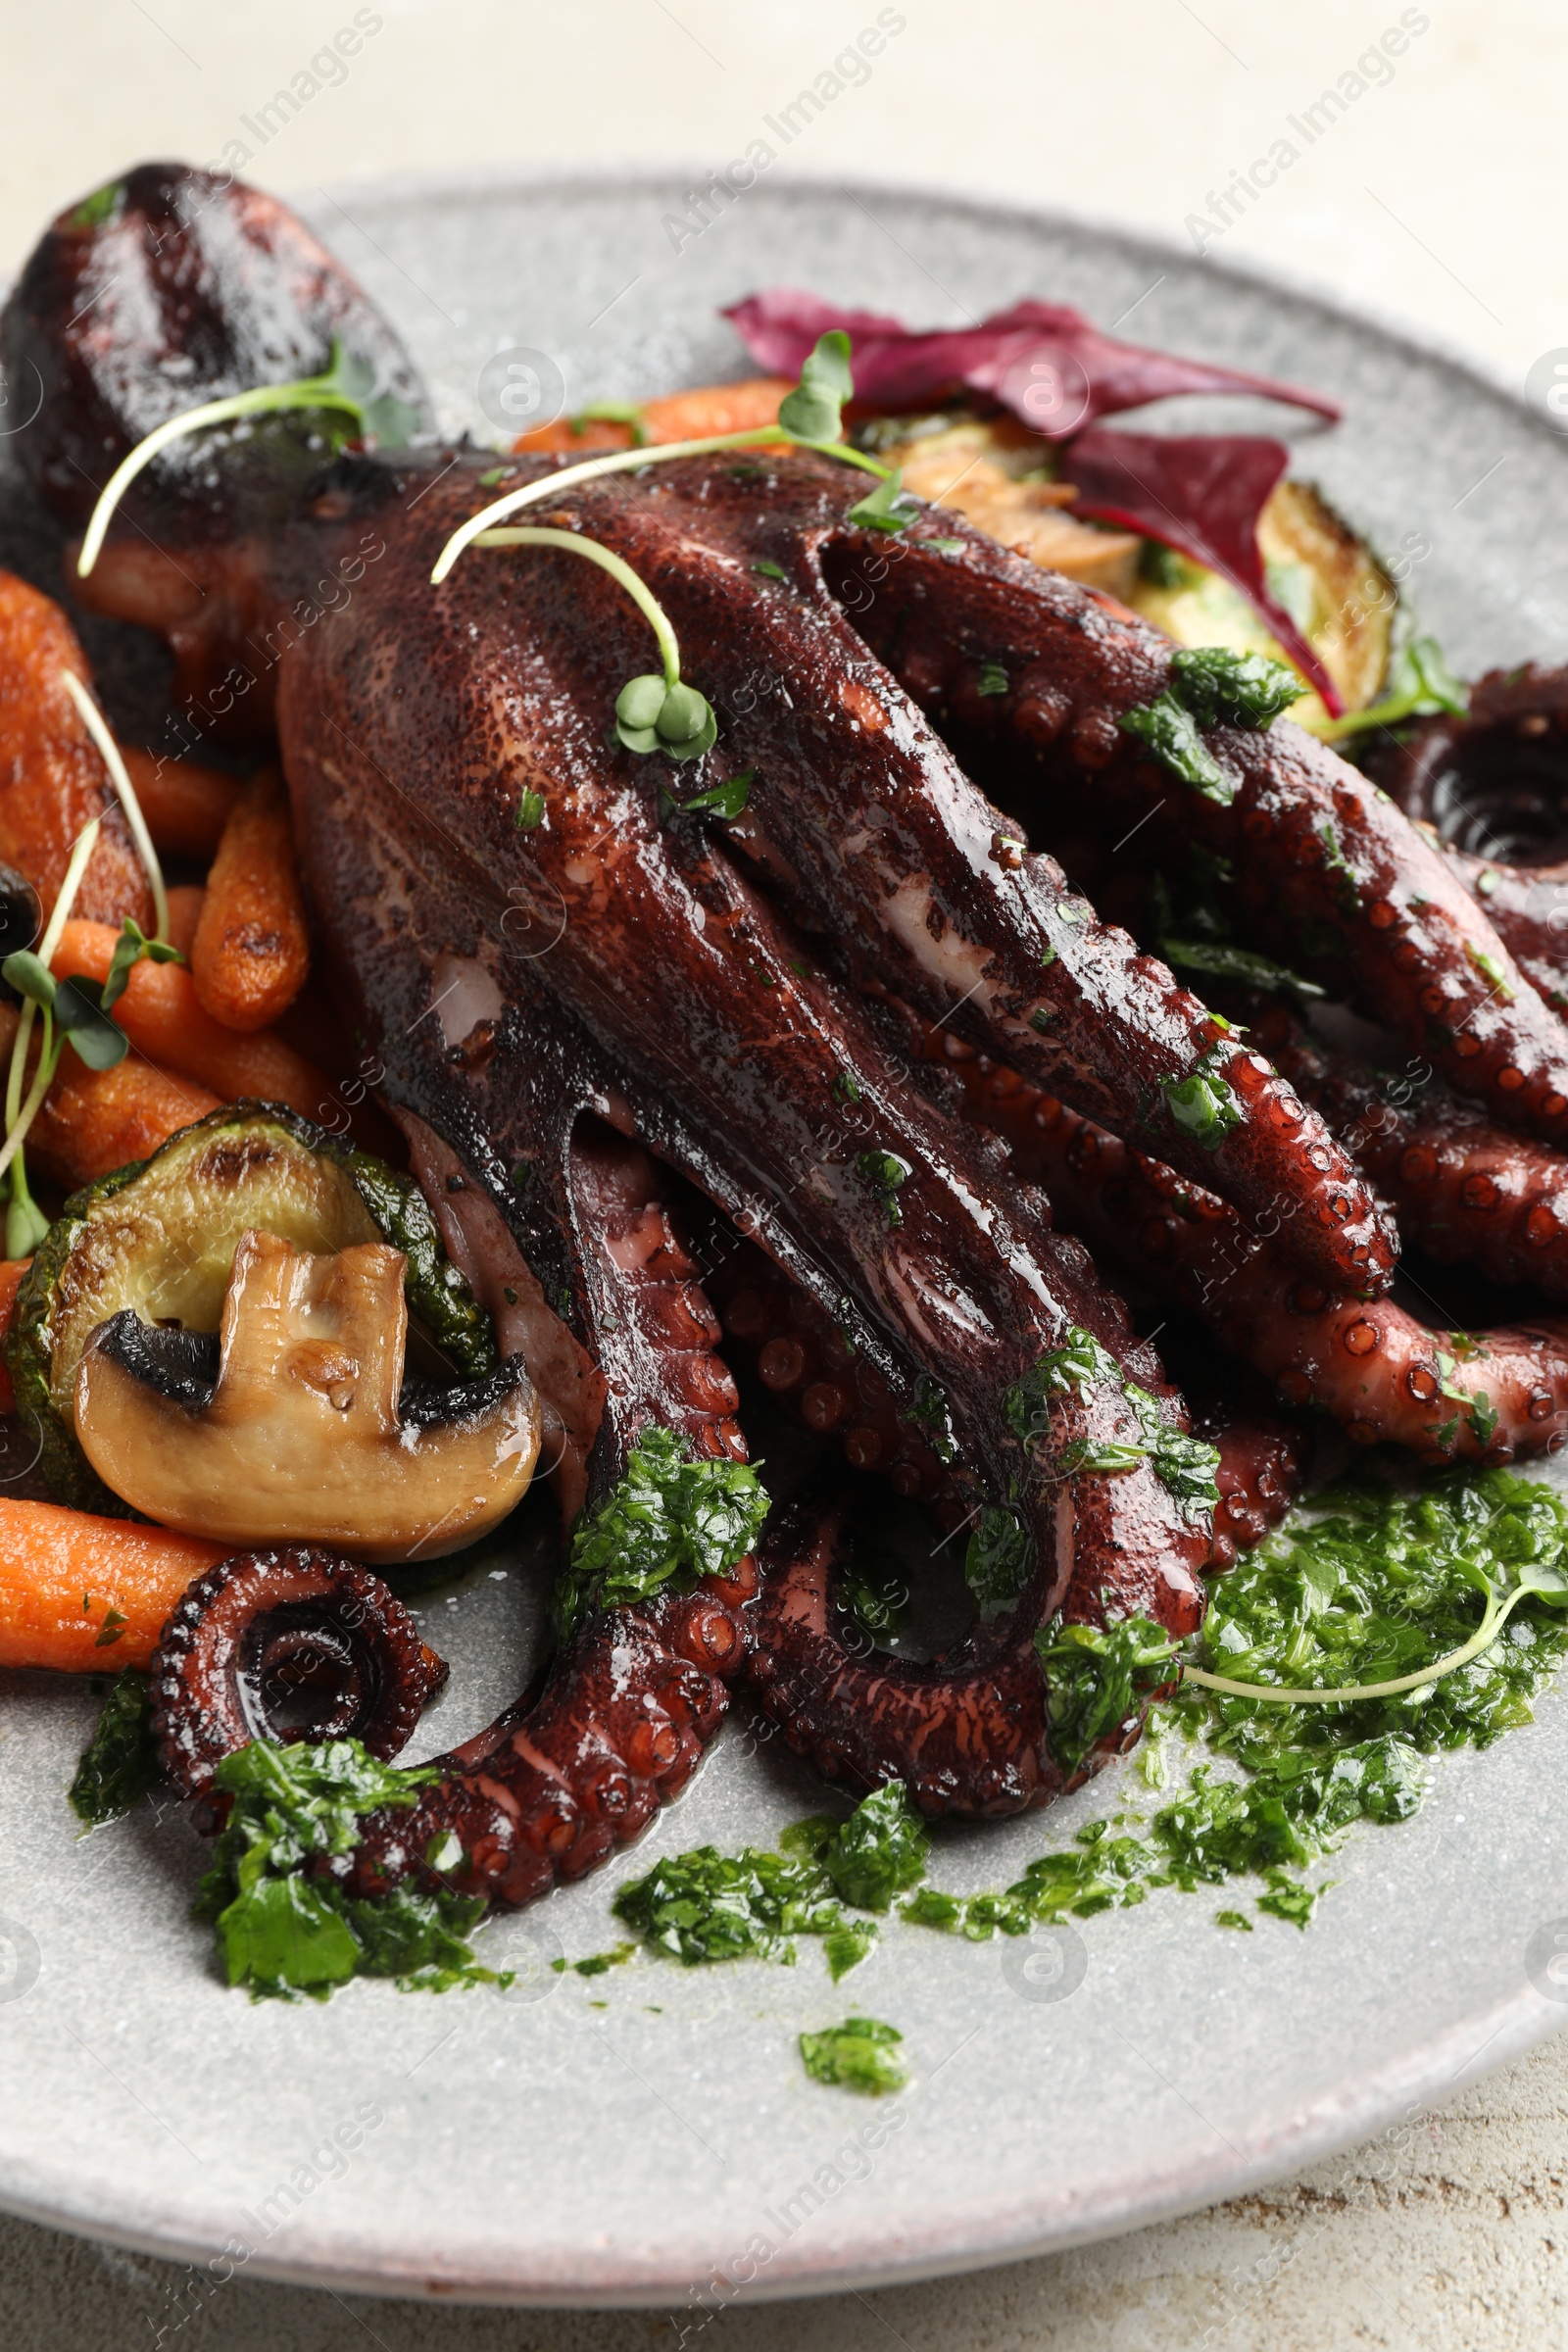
(625, 2137)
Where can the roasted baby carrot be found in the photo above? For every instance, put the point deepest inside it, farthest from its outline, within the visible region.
(11, 1269)
(93, 1121)
(252, 951)
(161, 1017)
(84, 1595)
(52, 776)
(692, 416)
(184, 913)
(186, 805)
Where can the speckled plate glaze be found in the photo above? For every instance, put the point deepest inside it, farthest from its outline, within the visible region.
(634, 2137)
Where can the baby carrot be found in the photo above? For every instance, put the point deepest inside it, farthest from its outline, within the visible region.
(85, 1594)
(164, 1020)
(692, 416)
(184, 913)
(186, 805)
(94, 1121)
(52, 776)
(11, 1269)
(252, 951)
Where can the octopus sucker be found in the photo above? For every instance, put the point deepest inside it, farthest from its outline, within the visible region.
(614, 1019)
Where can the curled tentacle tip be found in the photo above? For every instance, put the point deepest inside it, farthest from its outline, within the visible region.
(281, 1644)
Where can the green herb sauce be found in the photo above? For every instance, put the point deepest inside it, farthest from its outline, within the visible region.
(118, 1764)
(854, 2056)
(282, 1933)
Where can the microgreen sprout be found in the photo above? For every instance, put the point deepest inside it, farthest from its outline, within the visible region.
(1536, 1581)
(653, 713)
(346, 386)
(93, 720)
(808, 416)
(1420, 685)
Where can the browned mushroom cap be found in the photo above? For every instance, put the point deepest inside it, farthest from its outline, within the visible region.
(285, 1646)
(300, 1430)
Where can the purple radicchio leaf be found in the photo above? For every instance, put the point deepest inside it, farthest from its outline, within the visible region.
(1044, 361)
(1202, 494)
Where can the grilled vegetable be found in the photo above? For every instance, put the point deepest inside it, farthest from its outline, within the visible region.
(293, 1424)
(159, 1238)
(1002, 478)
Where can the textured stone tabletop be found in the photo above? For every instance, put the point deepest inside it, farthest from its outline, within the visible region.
(1432, 193)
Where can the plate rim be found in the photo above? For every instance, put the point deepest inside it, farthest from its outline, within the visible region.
(1344, 2114)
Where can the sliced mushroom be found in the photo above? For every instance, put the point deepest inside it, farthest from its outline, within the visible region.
(292, 1424)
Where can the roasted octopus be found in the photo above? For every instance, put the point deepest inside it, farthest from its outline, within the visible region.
(622, 1032)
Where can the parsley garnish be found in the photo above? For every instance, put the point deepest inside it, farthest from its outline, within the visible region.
(282, 1931)
(886, 1172)
(1224, 689)
(672, 1519)
(998, 1558)
(118, 1763)
(885, 508)
(1420, 685)
(994, 679)
(1228, 962)
(1098, 1678)
(1170, 731)
(530, 810)
(1491, 969)
(854, 2056)
(1201, 1104)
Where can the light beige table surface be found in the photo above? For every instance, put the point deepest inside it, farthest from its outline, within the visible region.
(1438, 197)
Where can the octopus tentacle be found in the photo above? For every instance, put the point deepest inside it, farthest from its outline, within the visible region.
(1381, 1375)
(1491, 788)
(1318, 853)
(574, 1771)
(267, 1626)
(970, 1740)
(1465, 1190)
(867, 831)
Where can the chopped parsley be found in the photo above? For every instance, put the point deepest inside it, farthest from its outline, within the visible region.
(854, 2056)
(1225, 689)
(727, 800)
(284, 1925)
(1228, 962)
(998, 1558)
(875, 1595)
(1079, 1362)
(1201, 1104)
(530, 812)
(994, 679)
(886, 1172)
(704, 1906)
(1170, 731)
(878, 1854)
(1098, 1679)
(1186, 1465)
(887, 508)
(118, 1763)
(1491, 969)
(930, 1411)
(769, 569)
(672, 1519)
(1419, 685)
